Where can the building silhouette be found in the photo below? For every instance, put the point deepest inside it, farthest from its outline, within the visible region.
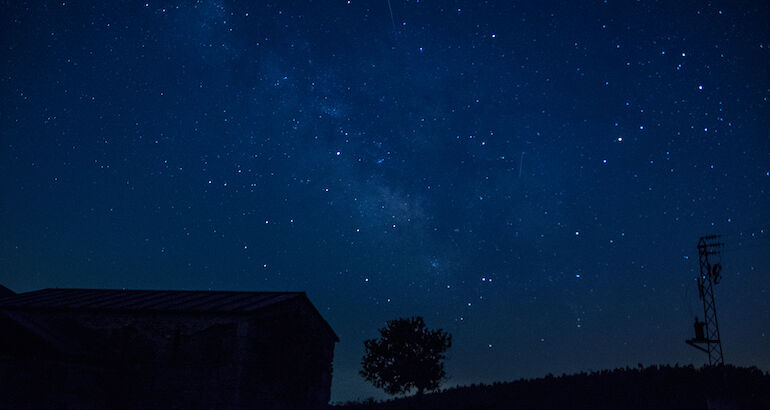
(88, 348)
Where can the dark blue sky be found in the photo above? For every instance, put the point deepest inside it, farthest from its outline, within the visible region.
(530, 176)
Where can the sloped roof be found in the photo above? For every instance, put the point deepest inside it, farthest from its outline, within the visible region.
(5, 291)
(175, 301)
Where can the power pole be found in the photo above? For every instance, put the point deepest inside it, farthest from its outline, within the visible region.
(707, 332)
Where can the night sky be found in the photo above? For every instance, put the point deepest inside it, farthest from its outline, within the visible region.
(532, 177)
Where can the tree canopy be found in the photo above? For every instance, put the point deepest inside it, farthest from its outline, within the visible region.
(407, 356)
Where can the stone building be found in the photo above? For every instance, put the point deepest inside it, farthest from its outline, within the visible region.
(88, 348)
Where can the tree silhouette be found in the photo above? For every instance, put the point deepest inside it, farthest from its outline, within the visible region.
(408, 355)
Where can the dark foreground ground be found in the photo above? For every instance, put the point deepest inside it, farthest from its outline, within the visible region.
(656, 387)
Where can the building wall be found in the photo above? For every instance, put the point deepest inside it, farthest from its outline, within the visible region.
(273, 360)
(296, 352)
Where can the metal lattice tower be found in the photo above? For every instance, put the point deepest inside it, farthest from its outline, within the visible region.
(710, 275)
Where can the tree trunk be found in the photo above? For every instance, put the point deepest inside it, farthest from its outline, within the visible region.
(418, 396)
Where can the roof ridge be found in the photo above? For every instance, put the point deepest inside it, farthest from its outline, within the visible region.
(171, 290)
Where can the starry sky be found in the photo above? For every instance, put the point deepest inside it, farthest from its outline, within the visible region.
(532, 177)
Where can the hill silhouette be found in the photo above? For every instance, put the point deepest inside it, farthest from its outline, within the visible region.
(658, 387)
